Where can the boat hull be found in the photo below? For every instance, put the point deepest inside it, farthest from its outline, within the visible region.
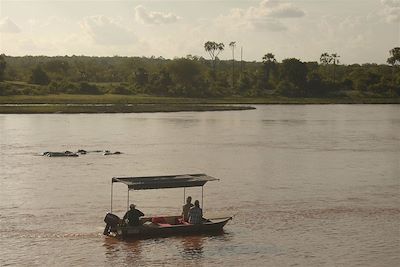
(155, 230)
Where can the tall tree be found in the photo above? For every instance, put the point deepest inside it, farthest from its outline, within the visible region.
(233, 45)
(269, 63)
(394, 60)
(141, 77)
(186, 74)
(327, 59)
(39, 76)
(335, 59)
(214, 49)
(269, 57)
(295, 72)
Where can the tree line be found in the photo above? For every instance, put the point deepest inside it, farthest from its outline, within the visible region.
(194, 76)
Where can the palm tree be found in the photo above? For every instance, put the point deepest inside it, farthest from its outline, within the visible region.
(232, 45)
(269, 62)
(269, 58)
(335, 58)
(394, 60)
(327, 59)
(213, 50)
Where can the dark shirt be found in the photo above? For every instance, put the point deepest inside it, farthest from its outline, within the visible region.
(195, 215)
(133, 217)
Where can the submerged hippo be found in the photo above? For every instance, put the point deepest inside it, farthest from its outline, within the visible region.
(107, 152)
(81, 151)
(60, 154)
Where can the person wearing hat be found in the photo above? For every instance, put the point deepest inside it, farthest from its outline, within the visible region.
(133, 215)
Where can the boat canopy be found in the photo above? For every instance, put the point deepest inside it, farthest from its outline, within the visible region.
(165, 181)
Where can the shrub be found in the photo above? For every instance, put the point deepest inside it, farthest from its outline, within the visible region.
(39, 76)
(120, 90)
(87, 88)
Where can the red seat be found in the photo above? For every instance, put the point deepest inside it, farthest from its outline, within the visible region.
(158, 220)
(164, 224)
(181, 221)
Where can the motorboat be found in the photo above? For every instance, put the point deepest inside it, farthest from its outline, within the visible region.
(166, 225)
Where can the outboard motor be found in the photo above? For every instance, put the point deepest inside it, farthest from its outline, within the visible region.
(112, 222)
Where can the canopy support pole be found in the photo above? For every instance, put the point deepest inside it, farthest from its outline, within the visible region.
(112, 183)
(127, 202)
(184, 195)
(202, 196)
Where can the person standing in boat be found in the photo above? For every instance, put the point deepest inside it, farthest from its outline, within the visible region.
(196, 214)
(186, 208)
(133, 215)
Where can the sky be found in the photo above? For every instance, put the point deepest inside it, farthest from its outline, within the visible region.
(360, 31)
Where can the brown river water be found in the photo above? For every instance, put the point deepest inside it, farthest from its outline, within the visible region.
(308, 185)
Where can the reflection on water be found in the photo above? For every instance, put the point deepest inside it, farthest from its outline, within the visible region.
(192, 247)
(127, 252)
(308, 185)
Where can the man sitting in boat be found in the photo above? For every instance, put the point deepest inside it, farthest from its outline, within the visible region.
(133, 215)
(196, 214)
(186, 209)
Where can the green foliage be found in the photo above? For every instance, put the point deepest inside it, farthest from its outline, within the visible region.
(295, 72)
(39, 76)
(2, 67)
(214, 49)
(141, 77)
(315, 85)
(192, 76)
(394, 56)
(5, 89)
(287, 88)
(62, 87)
(120, 90)
(364, 79)
(160, 83)
(88, 89)
(269, 73)
(187, 75)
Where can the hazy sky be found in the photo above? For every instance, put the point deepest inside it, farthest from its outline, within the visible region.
(359, 31)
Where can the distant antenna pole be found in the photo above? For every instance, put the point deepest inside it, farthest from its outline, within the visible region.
(241, 60)
(127, 201)
(202, 197)
(233, 45)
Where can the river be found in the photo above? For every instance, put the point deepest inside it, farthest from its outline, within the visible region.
(308, 185)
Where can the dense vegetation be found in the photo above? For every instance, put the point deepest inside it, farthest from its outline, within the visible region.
(194, 76)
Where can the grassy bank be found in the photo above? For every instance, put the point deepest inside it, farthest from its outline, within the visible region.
(144, 99)
(119, 108)
(141, 103)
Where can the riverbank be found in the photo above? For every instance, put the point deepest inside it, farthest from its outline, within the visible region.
(146, 99)
(109, 103)
(113, 108)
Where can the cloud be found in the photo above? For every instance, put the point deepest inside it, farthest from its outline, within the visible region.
(274, 8)
(391, 10)
(152, 17)
(106, 31)
(268, 15)
(391, 3)
(272, 25)
(8, 26)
